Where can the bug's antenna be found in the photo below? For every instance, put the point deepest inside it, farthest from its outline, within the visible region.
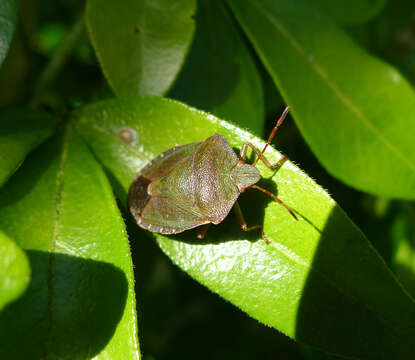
(275, 198)
(274, 131)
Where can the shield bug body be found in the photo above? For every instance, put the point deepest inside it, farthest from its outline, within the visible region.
(197, 184)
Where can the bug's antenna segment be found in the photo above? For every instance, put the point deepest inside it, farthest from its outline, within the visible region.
(274, 131)
(275, 198)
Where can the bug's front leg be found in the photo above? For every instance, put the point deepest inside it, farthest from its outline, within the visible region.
(243, 224)
(261, 156)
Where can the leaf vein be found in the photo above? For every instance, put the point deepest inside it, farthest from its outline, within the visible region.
(58, 204)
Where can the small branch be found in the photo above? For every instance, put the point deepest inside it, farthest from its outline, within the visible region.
(61, 56)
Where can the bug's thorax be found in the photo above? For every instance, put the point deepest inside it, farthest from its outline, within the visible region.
(244, 175)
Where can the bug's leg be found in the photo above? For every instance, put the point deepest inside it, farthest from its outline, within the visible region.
(273, 132)
(261, 157)
(243, 151)
(260, 154)
(242, 222)
(201, 232)
(277, 199)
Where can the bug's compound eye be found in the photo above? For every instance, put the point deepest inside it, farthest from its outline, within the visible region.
(127, 135)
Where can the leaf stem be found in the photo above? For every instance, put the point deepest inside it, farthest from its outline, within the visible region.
(61, 56)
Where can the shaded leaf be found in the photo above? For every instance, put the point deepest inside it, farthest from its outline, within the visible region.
(219, 74)
(403, 236)
(80, 304)
(351, 12)
(14, 271)
(21, 130)
(354, 111)
(141, 45)
(14, 73)
(8, 21)
(319, 281)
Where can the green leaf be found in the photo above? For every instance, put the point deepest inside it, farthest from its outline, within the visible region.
(21, 130)
(141, 45)
(315, 270)
(80, 304)
(219, 74)
(355, 111)
(8, 21)
(14, 271)
(350, 12)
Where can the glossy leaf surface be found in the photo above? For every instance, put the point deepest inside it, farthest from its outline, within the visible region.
(315, 270)
(350, 12)
(355, 111)
(146, 44)
(21, 130)
(80, 303)
(8, 20)
(14, 271)
(219, 74)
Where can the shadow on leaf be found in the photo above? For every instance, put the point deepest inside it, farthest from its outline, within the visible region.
(69, 313)
(347, 301)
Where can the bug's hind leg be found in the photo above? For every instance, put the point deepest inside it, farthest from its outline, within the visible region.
(243, 224)
(277, 199)
(201, 232)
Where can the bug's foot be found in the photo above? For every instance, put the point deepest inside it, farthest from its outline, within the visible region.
(201, 232)
(263, 236)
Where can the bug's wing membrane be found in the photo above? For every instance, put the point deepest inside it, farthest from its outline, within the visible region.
(172, 205)
(165, 162)
(215, 193)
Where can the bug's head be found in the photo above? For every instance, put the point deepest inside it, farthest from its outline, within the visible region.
(244, 175)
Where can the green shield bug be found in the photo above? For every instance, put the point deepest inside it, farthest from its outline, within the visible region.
(197, 184)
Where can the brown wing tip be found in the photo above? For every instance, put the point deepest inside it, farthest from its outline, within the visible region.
(138, 196)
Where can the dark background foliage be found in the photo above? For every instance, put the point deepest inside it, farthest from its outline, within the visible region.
(52, 66)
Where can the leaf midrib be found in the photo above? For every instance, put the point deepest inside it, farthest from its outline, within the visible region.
(56, 220)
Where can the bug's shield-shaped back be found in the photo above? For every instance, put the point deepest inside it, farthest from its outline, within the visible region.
(185, 187)
(158, 204)
(215, 192)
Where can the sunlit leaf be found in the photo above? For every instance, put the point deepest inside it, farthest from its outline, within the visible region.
(319, 281)
(14, 271)
(355, 111)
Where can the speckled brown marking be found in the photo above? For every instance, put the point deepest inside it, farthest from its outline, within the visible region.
(138, 196)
